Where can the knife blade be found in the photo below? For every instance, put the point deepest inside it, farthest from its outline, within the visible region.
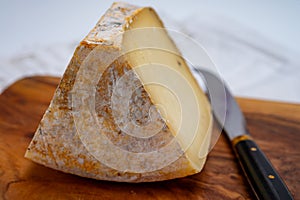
(260, 173)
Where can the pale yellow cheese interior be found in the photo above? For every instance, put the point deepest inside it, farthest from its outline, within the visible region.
(169, 83)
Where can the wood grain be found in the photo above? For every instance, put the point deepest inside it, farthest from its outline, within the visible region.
(275, 126)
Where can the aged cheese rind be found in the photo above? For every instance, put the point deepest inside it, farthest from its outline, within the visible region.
(56, 143)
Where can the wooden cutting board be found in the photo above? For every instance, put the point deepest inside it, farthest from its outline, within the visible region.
(275, 127)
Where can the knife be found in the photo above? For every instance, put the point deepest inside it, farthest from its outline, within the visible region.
(261, 175)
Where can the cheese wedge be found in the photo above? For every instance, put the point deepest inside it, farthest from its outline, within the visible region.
(127, 108)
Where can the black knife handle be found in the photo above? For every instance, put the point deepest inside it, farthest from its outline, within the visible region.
(262, 176)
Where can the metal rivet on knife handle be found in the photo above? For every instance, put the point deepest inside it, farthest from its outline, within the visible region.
(271, 176)
(253, 149)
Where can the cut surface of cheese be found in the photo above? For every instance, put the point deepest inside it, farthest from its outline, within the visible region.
(127, 108)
